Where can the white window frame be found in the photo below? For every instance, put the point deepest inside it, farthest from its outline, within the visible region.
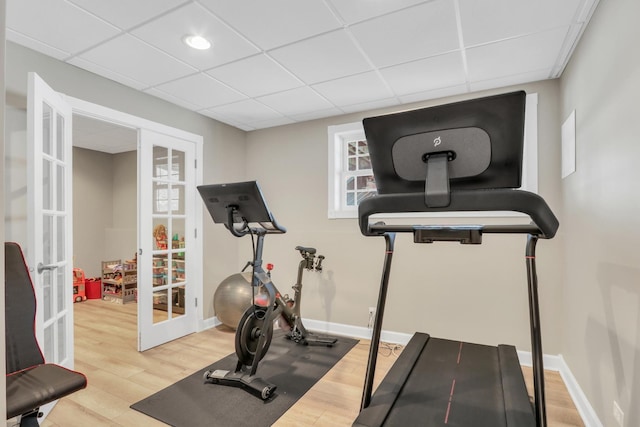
(338, 135)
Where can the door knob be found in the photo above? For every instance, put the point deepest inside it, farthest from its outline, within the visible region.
(42, 267)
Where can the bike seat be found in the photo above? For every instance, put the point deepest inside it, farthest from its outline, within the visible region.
(307, 250)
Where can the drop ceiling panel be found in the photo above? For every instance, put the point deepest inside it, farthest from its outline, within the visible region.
(514, 56)
(434, 94)
(107, 73)
(256, 76)
(36, 45)
(201, 90)
(322, 58)
(167, 33)
(126, 13)
(132, 58)
(275, 23)
(246, 111)
(353, 11)
(356, 89)
(296, 101)
(417, 32)
(58, 23)
(492, 20)
(426, 74)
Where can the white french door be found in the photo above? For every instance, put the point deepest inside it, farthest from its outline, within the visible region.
(50, 232)
(167, 274)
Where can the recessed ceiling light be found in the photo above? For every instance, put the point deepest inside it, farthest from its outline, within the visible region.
(197, 42)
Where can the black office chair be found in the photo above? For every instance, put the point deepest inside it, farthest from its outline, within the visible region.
(31, 382)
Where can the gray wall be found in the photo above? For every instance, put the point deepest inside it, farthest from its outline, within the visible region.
(476, 293)
(104, 208)
(601, 302)
(223, 157)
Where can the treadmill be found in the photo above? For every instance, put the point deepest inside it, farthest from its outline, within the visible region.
(460, 157)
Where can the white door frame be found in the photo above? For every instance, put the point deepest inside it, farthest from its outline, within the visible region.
(100, 112)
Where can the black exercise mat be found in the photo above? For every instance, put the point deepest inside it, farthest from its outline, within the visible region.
(292, 367)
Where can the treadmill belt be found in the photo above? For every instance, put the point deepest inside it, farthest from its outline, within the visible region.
(452, 384)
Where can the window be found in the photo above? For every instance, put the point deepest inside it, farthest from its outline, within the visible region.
(350, 174)
(351, 177)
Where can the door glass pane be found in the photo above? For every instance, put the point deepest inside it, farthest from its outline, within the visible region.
(177, 233)
(181, 274)
(177, 302)
(160, 306)
(47, 348)
(46, 128)
(59, 137)
(62, 338)
(60, 187)
(158, 273)
(47, 233)
(160, 162)
(47, 294)
(177, 165)
(47, 201)
(61, 288)
(60, 241)
(160, 234)
(177, 199)
(161, 198)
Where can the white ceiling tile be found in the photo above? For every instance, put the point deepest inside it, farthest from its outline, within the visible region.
(515, 56)
(245, 111)
(167, 33)
(417, 32)
(277, 22)
(126, 13)
(281, 121)
(36, 45)
(322, 58)
(171, 98)
(256, 76)
(57, 23)
(222, 119)
(356, 89)
(426, 74)
(373, 105)
(201, 90)
(434, 94)
(296, 101)
(510, 80)
(135, 59)
(491, 20)
(352, 11)
(318, 114)
(107, 73)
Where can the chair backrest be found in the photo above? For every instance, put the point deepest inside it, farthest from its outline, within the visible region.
(22, 349)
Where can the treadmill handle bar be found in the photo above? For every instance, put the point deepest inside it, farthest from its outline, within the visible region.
(389, 239)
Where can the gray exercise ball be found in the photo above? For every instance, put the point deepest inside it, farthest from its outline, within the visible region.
(232, 298)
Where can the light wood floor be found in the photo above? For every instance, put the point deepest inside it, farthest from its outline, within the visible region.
(118, 375)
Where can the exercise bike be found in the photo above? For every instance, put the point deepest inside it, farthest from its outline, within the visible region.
(237, 206)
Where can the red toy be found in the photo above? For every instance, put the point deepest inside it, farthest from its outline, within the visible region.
(78, 285)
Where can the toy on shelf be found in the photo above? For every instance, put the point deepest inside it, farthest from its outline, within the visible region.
(160, 236)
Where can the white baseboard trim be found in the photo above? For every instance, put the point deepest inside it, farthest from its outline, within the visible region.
(551, 362)
(586, 411)
(209, 323)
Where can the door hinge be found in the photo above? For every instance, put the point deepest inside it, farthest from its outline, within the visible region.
(196, 302)
(195, 163)
(195, 233)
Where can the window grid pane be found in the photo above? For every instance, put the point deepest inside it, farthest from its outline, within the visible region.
(358, 181)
